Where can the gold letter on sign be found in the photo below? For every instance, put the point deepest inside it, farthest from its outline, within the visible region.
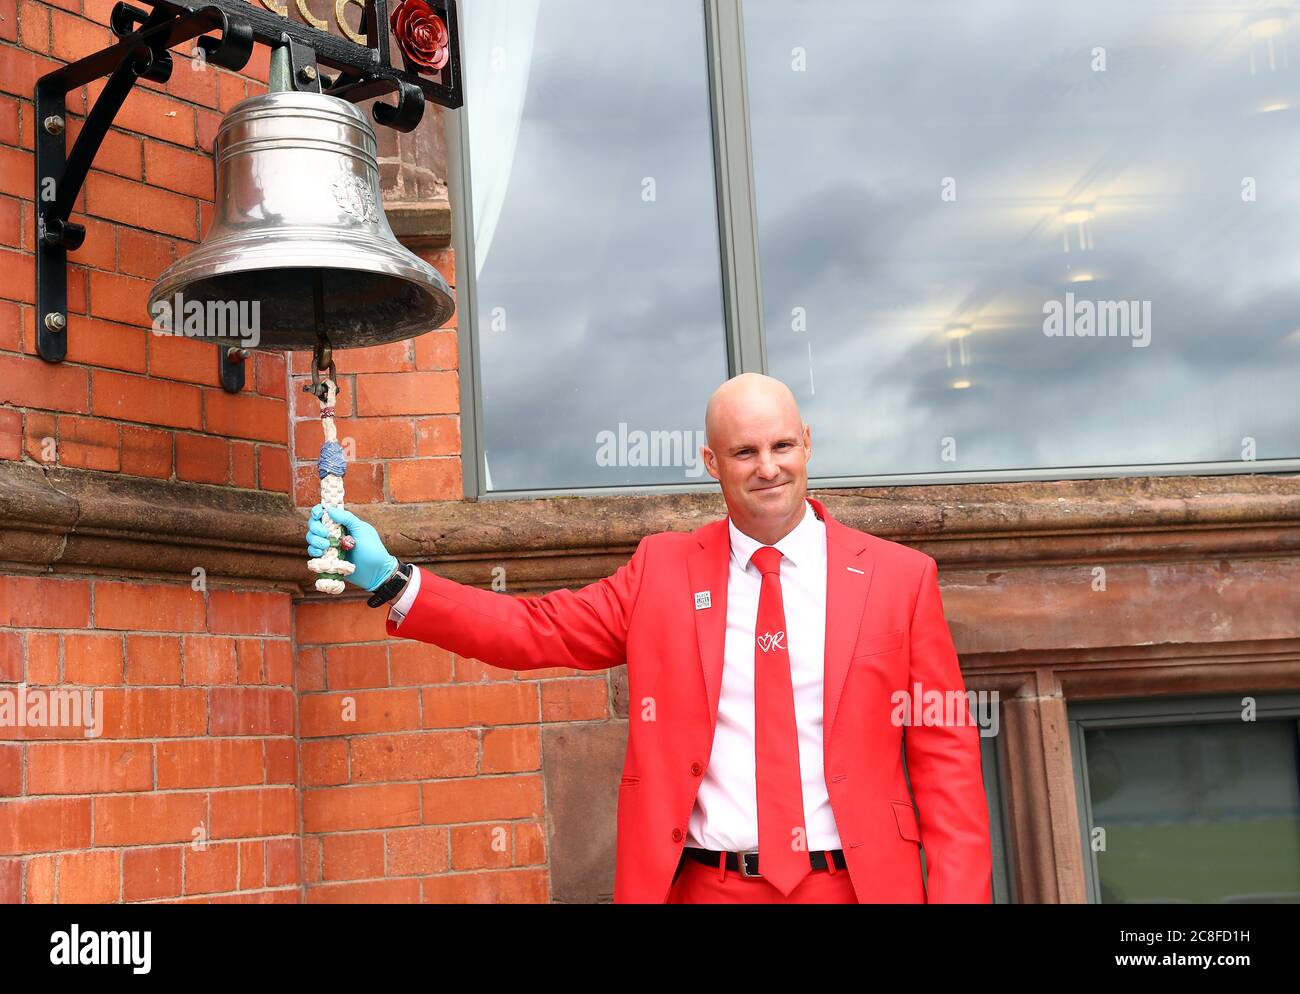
(339, 6)
(316, 22)
(281, 9)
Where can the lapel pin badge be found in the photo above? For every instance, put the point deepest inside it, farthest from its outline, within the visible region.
(703, 600)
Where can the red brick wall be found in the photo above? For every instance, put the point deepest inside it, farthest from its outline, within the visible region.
(124, 401)
(421, 771)
(399, 405)
(223, 706)
(190, 790)
(146, 405)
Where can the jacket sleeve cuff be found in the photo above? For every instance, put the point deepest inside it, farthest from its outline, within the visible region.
(397, 613)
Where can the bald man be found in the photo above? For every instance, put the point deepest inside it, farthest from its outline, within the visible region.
(777, 663)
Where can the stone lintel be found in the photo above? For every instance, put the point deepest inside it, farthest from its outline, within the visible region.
(74, 520)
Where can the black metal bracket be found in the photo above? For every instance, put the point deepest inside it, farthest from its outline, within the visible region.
(303, 73)
(226, 31)
(231, 363)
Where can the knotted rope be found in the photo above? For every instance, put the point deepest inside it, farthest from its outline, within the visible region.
(330, 467)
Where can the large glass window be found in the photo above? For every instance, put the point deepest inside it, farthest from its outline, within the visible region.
(1022, 236)
(980, 240)
(597, 284)
(1190, 801)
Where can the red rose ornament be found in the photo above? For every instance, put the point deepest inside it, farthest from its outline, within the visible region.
(421, 34)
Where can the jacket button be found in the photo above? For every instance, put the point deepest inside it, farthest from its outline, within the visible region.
(696, 769)
(677, 835)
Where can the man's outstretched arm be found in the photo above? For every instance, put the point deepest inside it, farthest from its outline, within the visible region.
(581, 629)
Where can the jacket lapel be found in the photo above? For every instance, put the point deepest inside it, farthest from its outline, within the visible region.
(848, 578)
(707, 567)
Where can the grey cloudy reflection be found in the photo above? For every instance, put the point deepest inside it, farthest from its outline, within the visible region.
(1137, 170)
(612, 305)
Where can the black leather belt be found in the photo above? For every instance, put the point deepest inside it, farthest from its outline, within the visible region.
(746, 863)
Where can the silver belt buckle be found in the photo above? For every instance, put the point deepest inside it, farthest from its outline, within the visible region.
(742, 859)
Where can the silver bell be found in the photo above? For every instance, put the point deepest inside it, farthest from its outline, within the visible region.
(299, 228)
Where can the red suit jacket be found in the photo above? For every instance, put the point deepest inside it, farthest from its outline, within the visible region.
(885, 632)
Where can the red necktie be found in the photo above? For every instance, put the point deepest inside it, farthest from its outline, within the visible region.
(782, 839)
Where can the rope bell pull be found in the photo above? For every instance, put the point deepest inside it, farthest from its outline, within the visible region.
(331, 568)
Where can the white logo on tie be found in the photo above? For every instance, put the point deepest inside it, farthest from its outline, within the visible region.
(769, 641)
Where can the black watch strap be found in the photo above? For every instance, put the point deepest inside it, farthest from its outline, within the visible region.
(390, 588)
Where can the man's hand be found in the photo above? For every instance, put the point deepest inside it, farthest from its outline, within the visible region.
(373, 563)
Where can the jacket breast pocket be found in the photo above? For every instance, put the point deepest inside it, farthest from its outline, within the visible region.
(889, 642)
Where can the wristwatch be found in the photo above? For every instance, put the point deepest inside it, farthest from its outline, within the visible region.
(394, 585)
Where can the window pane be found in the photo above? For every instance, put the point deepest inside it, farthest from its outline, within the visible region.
(1200, 813)
(599, 298)
(943, 185)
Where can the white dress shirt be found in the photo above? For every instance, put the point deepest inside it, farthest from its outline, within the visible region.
(726, 808)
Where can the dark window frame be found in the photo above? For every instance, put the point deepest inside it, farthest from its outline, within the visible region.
(1146, 713)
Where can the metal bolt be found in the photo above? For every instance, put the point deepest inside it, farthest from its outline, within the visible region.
(236, 355)
(307, 74)
(54, 321)
(54, 124)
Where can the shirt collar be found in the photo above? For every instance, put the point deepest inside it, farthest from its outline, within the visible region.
(798, 546)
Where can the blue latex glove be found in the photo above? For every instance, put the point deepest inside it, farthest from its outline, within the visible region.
(373, 562)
